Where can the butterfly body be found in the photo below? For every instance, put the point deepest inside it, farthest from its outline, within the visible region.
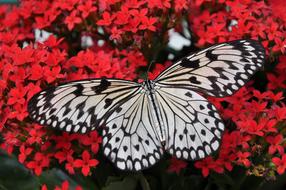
(158, 123)
(141, 121)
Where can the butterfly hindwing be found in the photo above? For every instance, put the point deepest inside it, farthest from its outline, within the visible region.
(79, 106)
(219, 70)
(129, 138)
(193, 127)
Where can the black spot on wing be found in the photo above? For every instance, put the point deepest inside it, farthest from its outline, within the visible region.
(104, 84)
(232, 67)
(194, 80)
(185, 131)
(190, 64)
(211, 56)
(203, 132)
(79, 89)
(65, 112)
(193, 137)
(189, 94)
(118, 109)
(108, 102)
(137, 147)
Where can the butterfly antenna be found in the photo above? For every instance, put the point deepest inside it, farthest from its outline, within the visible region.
(149, 67)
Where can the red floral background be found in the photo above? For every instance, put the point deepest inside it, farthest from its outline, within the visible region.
(121, 38)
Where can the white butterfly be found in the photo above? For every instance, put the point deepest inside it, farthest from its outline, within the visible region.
(140, 120)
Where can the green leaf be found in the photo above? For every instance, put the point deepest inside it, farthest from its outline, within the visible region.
(129, 182)
(13, 175)
(144, 183)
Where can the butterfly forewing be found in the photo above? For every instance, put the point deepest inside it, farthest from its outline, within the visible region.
(193, 127)
(219, 70)
(129, 138)
(79, 106)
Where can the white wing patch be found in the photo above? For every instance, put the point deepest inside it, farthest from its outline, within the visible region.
(193, 126)
(129, 139)
(79, 106)
(219, 70)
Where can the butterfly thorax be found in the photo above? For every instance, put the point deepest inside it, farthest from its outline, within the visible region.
(150, 90)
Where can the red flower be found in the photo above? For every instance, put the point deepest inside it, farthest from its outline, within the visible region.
(17, 95)
(251, 126)
(148, 23)
(63, 155)
(44, 187)
(64, 141)
(275, 144)
(24, 152)
(52, 74)
(269, 124)
(106, 21)
(208, 164)
(35, 136)
(52, 41)
(65, 186)
(280, 164)
(180, 4)
(72, 19)
(93, 140)
(85, 163)
(21, 56)
(115, 34)
(278, 8)
(122, 17)
(227, 159)
(55, 57)
(86, 8)
(280, 113)
(242, 158)
(40, 161)
(177, 165)
(70, 165)
(19, 112)
(37, 72)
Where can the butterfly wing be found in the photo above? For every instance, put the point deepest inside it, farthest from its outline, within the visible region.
(130, 140)
(193, 127)
(119, 106)
(79, 106)
(219, 70)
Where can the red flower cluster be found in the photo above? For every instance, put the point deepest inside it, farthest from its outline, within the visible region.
(116, 38)
(89, 39)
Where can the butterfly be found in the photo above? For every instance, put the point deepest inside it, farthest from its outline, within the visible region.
(140, 121)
